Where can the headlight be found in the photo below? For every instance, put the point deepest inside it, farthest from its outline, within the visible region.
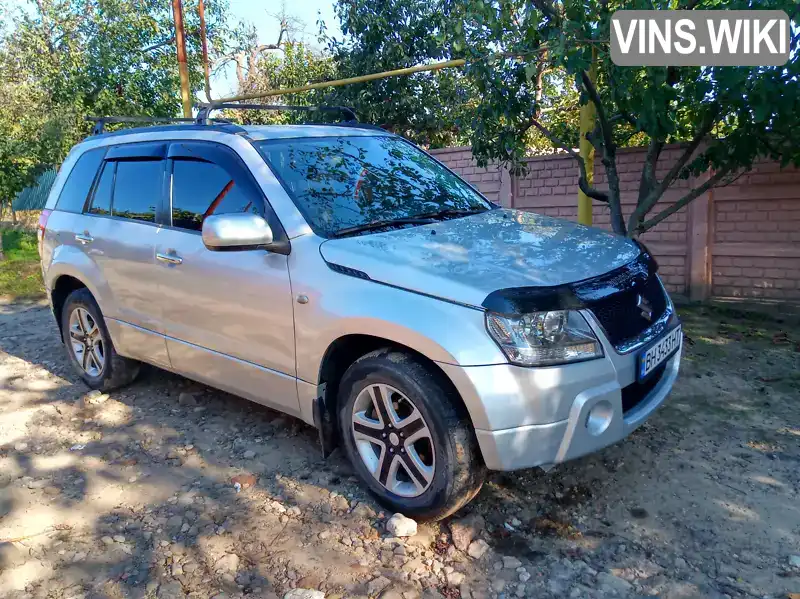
(544, 338)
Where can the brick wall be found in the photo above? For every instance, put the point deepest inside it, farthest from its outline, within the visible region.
(742, 240)
(487, 180)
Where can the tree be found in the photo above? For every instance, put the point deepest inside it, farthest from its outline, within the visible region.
(382, 35)
(64, 59)
(725, 117)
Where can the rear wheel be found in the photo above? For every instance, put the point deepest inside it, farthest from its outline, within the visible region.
(89, 345)
(408, 437)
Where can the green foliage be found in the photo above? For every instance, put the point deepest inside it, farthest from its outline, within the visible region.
(20, 275)
(382, 35)
(294, 65)
(64, 59)
(528, 62)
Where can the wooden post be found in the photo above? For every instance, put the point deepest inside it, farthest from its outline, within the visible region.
(201, 9)
(183, 71)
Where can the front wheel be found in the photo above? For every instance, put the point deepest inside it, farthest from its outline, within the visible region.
(89, 345)
(407, 435)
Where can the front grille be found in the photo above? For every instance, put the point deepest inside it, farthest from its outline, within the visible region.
(619, 315)
(633, 394)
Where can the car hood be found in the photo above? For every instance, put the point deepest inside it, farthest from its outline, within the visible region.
(465, 259)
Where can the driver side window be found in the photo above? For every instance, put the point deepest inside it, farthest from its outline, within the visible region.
(200, 189)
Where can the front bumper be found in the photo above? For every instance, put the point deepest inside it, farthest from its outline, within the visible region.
(526, 417)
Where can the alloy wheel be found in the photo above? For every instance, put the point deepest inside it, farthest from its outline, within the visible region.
(86, 342)
(393, 440)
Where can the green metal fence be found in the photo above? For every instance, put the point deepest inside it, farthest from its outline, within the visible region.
(35, 196)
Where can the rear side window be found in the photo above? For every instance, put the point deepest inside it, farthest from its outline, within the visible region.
(101, 202)
(200, 189)
(137, 189)
(79, 182)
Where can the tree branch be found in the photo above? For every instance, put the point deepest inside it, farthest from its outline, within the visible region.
(646, 203)
(583, 182)
(609, 154)
(712, 181)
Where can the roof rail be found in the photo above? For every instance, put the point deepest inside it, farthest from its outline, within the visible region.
(205, 109)
(100, 121)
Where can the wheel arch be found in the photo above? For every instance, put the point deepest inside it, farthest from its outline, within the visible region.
(63, 285)
(345, 350)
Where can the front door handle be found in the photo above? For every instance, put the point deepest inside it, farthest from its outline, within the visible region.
(83, 238)
(169, 258)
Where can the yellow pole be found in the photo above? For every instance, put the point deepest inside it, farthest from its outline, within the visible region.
(458, 62)
(183, 71)
(588, 117)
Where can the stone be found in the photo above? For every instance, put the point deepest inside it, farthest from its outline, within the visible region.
(524, 576)
(498, 584)
(186, 399)
(477, 549)
(174, 522)
(93, 398)
(107, 540)
(376, 585)
(511, 563)
(249, 454)
(245, 481)
(340, 503)
(119, 538)
(614, 584)
(10, 555)
(392, 594)
(171, 590)
(227, 563)
(454, 578)
(151, 587)
(400, 526)
(794, 561)
(362, 510)
(21, 446)
(463, 531)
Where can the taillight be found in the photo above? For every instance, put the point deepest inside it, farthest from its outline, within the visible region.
(41, 227)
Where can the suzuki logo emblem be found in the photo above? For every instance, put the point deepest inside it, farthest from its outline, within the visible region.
(645, 307)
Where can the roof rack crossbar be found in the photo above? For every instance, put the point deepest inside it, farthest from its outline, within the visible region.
(100, 121)
(205, 109)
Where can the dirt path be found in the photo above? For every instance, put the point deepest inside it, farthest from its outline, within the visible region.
(135, 494)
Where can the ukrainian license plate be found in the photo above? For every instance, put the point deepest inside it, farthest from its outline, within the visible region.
(661, 350)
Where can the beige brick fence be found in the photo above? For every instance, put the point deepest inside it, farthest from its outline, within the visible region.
(740, 241)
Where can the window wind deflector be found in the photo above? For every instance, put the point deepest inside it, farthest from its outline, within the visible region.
(138, 151)
(382, 224)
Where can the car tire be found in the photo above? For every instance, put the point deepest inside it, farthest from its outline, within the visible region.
(97, 363)
(433, 470)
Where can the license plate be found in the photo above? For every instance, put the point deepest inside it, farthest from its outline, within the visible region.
(660, 351)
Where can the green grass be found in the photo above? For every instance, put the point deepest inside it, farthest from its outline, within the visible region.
(20, 275)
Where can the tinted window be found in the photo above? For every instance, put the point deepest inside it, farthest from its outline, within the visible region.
(340, 182)
(200, 189)
(76, 189)
(101, 201)
(137, 189)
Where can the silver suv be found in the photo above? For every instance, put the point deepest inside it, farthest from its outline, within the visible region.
(342, 275)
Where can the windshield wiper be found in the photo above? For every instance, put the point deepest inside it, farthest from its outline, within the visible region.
(451, 212)
(381, 224)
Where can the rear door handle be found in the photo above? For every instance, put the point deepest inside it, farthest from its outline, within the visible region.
(83, 238)
(169, 258)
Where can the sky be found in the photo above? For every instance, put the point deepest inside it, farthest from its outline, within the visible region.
(261, 13)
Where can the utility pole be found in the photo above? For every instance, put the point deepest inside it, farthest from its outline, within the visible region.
(180, 42)
(588, 117)
(201, 9)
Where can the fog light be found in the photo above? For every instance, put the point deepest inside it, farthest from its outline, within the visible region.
(599, 418)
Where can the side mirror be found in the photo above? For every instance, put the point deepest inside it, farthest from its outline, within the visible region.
(236, 232)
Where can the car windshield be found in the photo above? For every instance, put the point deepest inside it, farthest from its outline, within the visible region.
(344, 183)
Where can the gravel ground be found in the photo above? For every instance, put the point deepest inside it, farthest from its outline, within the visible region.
(168, 488)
